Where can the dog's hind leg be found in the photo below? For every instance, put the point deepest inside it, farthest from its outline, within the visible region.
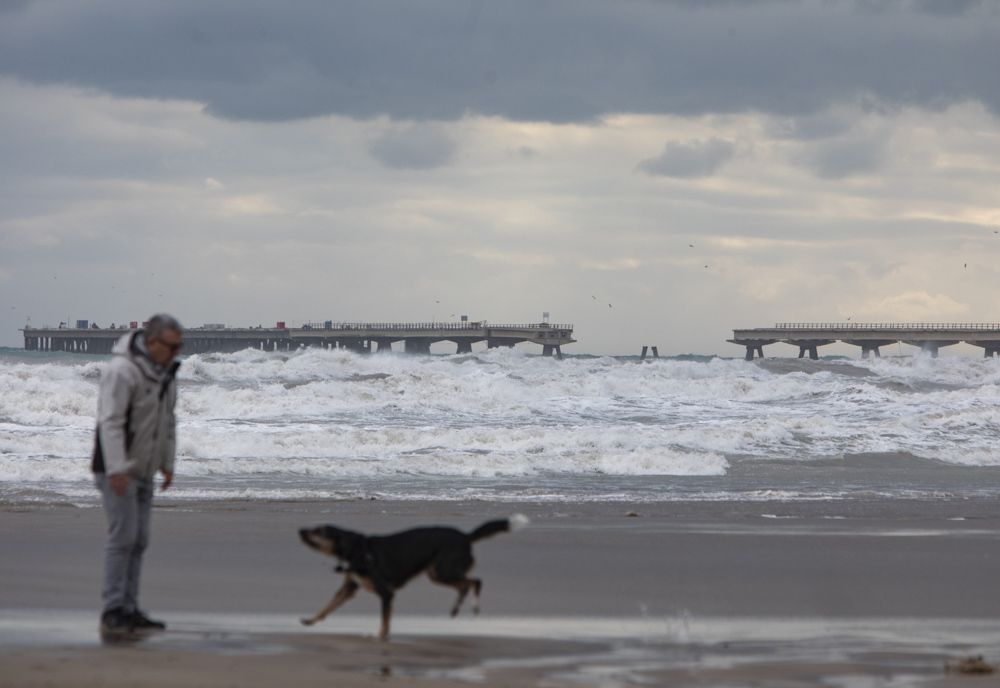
(462, 585)
(477, 588)
(345, 593)
(383, 632)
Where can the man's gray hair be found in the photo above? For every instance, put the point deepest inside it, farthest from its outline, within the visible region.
(161, 322)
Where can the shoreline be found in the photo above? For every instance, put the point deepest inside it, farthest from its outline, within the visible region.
(700, 592)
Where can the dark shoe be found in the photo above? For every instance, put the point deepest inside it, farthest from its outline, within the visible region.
(141, 622)
(115, 622)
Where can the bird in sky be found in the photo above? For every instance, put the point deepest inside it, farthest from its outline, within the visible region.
(609, 305)
(690, 245)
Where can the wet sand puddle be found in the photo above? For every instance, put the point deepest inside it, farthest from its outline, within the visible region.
(545, 651)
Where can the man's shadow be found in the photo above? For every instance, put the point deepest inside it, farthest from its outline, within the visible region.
(123, 638)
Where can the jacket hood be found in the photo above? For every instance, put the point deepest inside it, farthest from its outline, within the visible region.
(132, 347)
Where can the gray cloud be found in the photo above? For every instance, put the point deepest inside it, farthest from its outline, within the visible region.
(947, 7)
(413, 148)
(693, 159)
(845, 156)
(557, 61)
(820, 125)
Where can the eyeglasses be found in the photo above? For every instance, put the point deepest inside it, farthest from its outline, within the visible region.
(173, 346)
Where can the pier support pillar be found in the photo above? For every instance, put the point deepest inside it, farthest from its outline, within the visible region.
(417, 346)
(809, 346)
(642, 356)
(990, 348)
(930, 347)
(869, 346)
(552, 350)
(463, 346)
(753, 346)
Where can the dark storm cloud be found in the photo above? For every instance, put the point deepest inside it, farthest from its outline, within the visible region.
(563, 60)
(12, 5)
(944, 7)
(694, 159)
(414, 148)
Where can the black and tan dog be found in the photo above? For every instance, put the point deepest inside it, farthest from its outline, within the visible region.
(383, 564)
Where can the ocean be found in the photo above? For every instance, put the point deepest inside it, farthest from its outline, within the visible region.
(502, 425)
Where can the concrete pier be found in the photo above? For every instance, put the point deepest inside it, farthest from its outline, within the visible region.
(928, 337)
(360, 337)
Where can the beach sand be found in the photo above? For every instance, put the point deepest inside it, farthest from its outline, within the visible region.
(851, 592)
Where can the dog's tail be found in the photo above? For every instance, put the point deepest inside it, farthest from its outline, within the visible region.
(515, 522)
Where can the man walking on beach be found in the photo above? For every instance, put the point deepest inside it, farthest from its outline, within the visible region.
(135, 438)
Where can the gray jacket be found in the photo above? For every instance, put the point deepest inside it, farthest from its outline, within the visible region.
(136, 428)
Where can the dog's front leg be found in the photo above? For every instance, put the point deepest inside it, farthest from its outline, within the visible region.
(383, 633)
(345, 593)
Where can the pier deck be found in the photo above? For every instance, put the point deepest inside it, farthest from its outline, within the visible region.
(869, 336)
(361, 337)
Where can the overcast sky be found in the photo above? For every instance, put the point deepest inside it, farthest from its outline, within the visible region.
(655, 172)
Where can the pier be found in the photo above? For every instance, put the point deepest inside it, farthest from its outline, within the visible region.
(929, 337)
(360, 337)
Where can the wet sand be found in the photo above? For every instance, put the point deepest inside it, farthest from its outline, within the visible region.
(694, 593)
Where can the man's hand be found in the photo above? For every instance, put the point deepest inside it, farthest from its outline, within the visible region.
(168, 477)
(119, 483)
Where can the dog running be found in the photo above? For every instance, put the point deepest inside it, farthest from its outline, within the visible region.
(383, 564)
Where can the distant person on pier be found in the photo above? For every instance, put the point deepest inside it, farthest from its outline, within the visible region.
(135, 439)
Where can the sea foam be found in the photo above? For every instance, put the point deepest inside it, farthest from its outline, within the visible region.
(287, 421)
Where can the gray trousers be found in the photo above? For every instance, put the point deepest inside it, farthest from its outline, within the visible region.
(128, 535)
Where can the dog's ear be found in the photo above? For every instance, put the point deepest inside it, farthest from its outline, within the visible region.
(349, 545)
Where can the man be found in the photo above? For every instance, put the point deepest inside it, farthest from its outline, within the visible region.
(135, 438)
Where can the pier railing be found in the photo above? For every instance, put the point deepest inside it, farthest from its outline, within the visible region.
(359, 336)
(411, 327)
(912, 327)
